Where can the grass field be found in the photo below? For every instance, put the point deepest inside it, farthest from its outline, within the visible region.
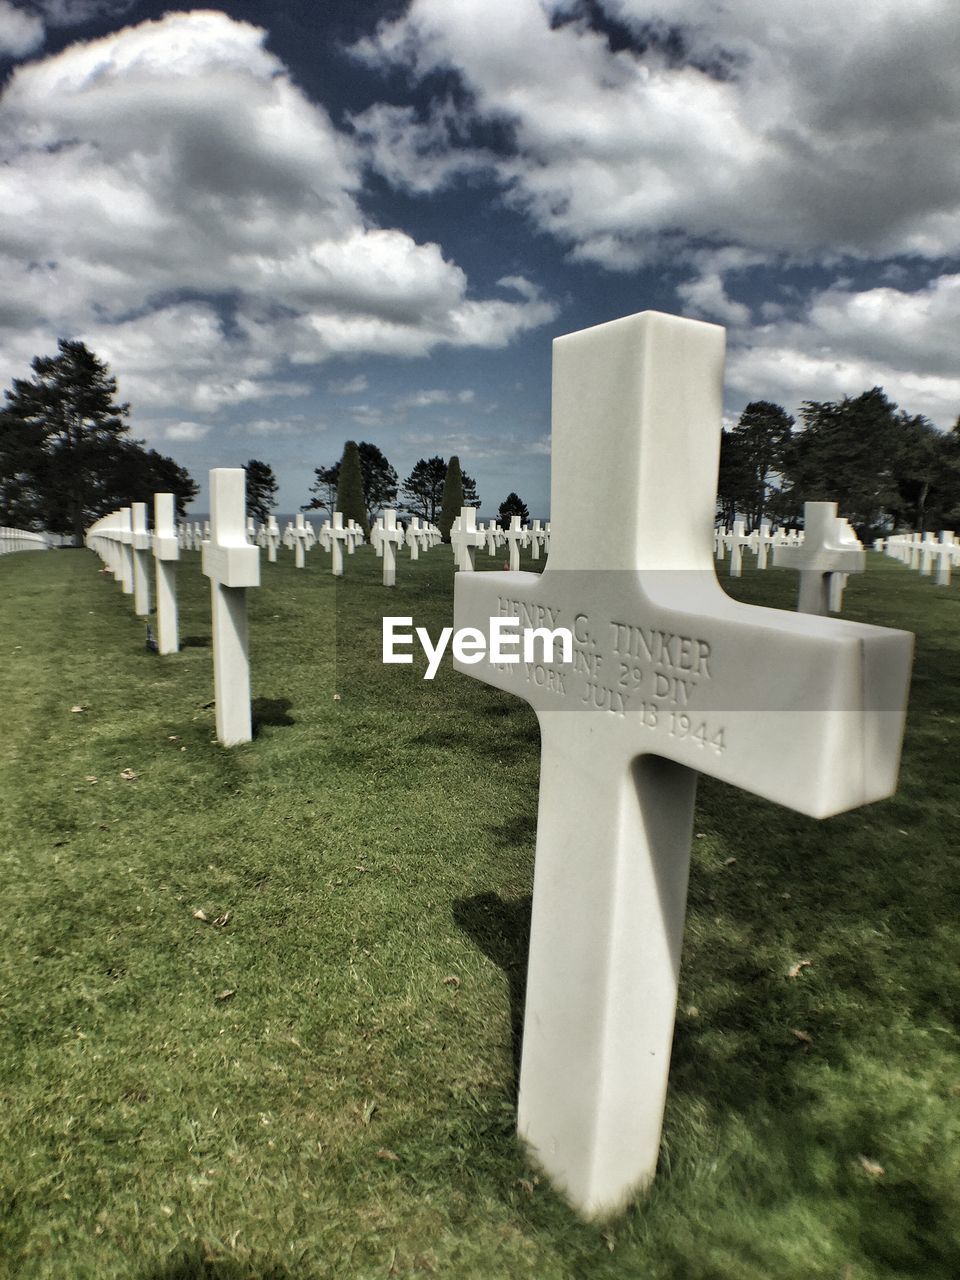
(323, 1085)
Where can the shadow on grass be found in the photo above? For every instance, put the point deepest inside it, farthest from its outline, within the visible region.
(200, 1268)
(195, 642)
(502, 932)
(271, 711)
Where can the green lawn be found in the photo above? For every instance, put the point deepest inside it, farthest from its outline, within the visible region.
(324, 1085)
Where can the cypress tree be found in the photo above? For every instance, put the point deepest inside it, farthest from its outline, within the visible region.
(452, 497)
(350, 499)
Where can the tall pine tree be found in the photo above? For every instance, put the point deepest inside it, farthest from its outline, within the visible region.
(452, 498)
(350, 497)
(261, 486)
(65, 453)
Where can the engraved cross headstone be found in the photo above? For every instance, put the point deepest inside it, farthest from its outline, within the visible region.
(232, 565)
(671, 677)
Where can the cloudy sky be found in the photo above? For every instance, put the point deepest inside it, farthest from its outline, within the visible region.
(287, 225)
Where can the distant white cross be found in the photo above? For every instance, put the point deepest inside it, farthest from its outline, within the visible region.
(945, 553)
(465, 538)
(824, 551)
(335, 538)
(516, 537)
(389, 536)
(537, 537)
(671, 677)
(736, 541)
(232, 565)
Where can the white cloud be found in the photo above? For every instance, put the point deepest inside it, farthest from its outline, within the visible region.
(468, 444)
(848, 341)
(428, 399)
(187, 431)
(348, 386)
(803, 129)
(20, 32)
(177, 159)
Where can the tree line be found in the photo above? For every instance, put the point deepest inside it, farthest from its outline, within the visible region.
(67, 457)
(885, 468)
(66, 453)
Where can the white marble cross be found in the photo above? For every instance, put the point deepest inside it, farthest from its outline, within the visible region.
(354, 536)
(823, 552)
(125, 541)
(300, 536)
(271, 538)
(766, 538)
(736, 541)
(516, 537)
(389, 538)
(336, 536)
(494, 538)
(232, 565)
(927, 551)
(140, 545)
(671, 677)
(945, 551)
(414, 536)
(537, 537)
(465, 538)
(166, 552)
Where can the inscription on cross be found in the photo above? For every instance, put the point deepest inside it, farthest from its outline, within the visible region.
(671, 678)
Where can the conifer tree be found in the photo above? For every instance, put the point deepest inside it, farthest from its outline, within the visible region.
(261, 486)
(350, 499)
(512, 505)
(452, 498)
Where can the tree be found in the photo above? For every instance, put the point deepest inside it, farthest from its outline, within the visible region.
(422, 490)
(849, 453)
(733, 480)
(512, 505)
(452, 497)
(324, 489)
(470, 496)
(379, 480)
(928, 476)
(261, 488)
(763, 433)
(751, 457)
(135, 474)
(65, 454)
(350, 497)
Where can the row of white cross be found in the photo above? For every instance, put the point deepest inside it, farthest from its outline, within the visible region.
(22, 540)
(924, 552)
(125, 545)
(671, 678)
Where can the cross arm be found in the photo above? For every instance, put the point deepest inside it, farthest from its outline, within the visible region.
(802, 710)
